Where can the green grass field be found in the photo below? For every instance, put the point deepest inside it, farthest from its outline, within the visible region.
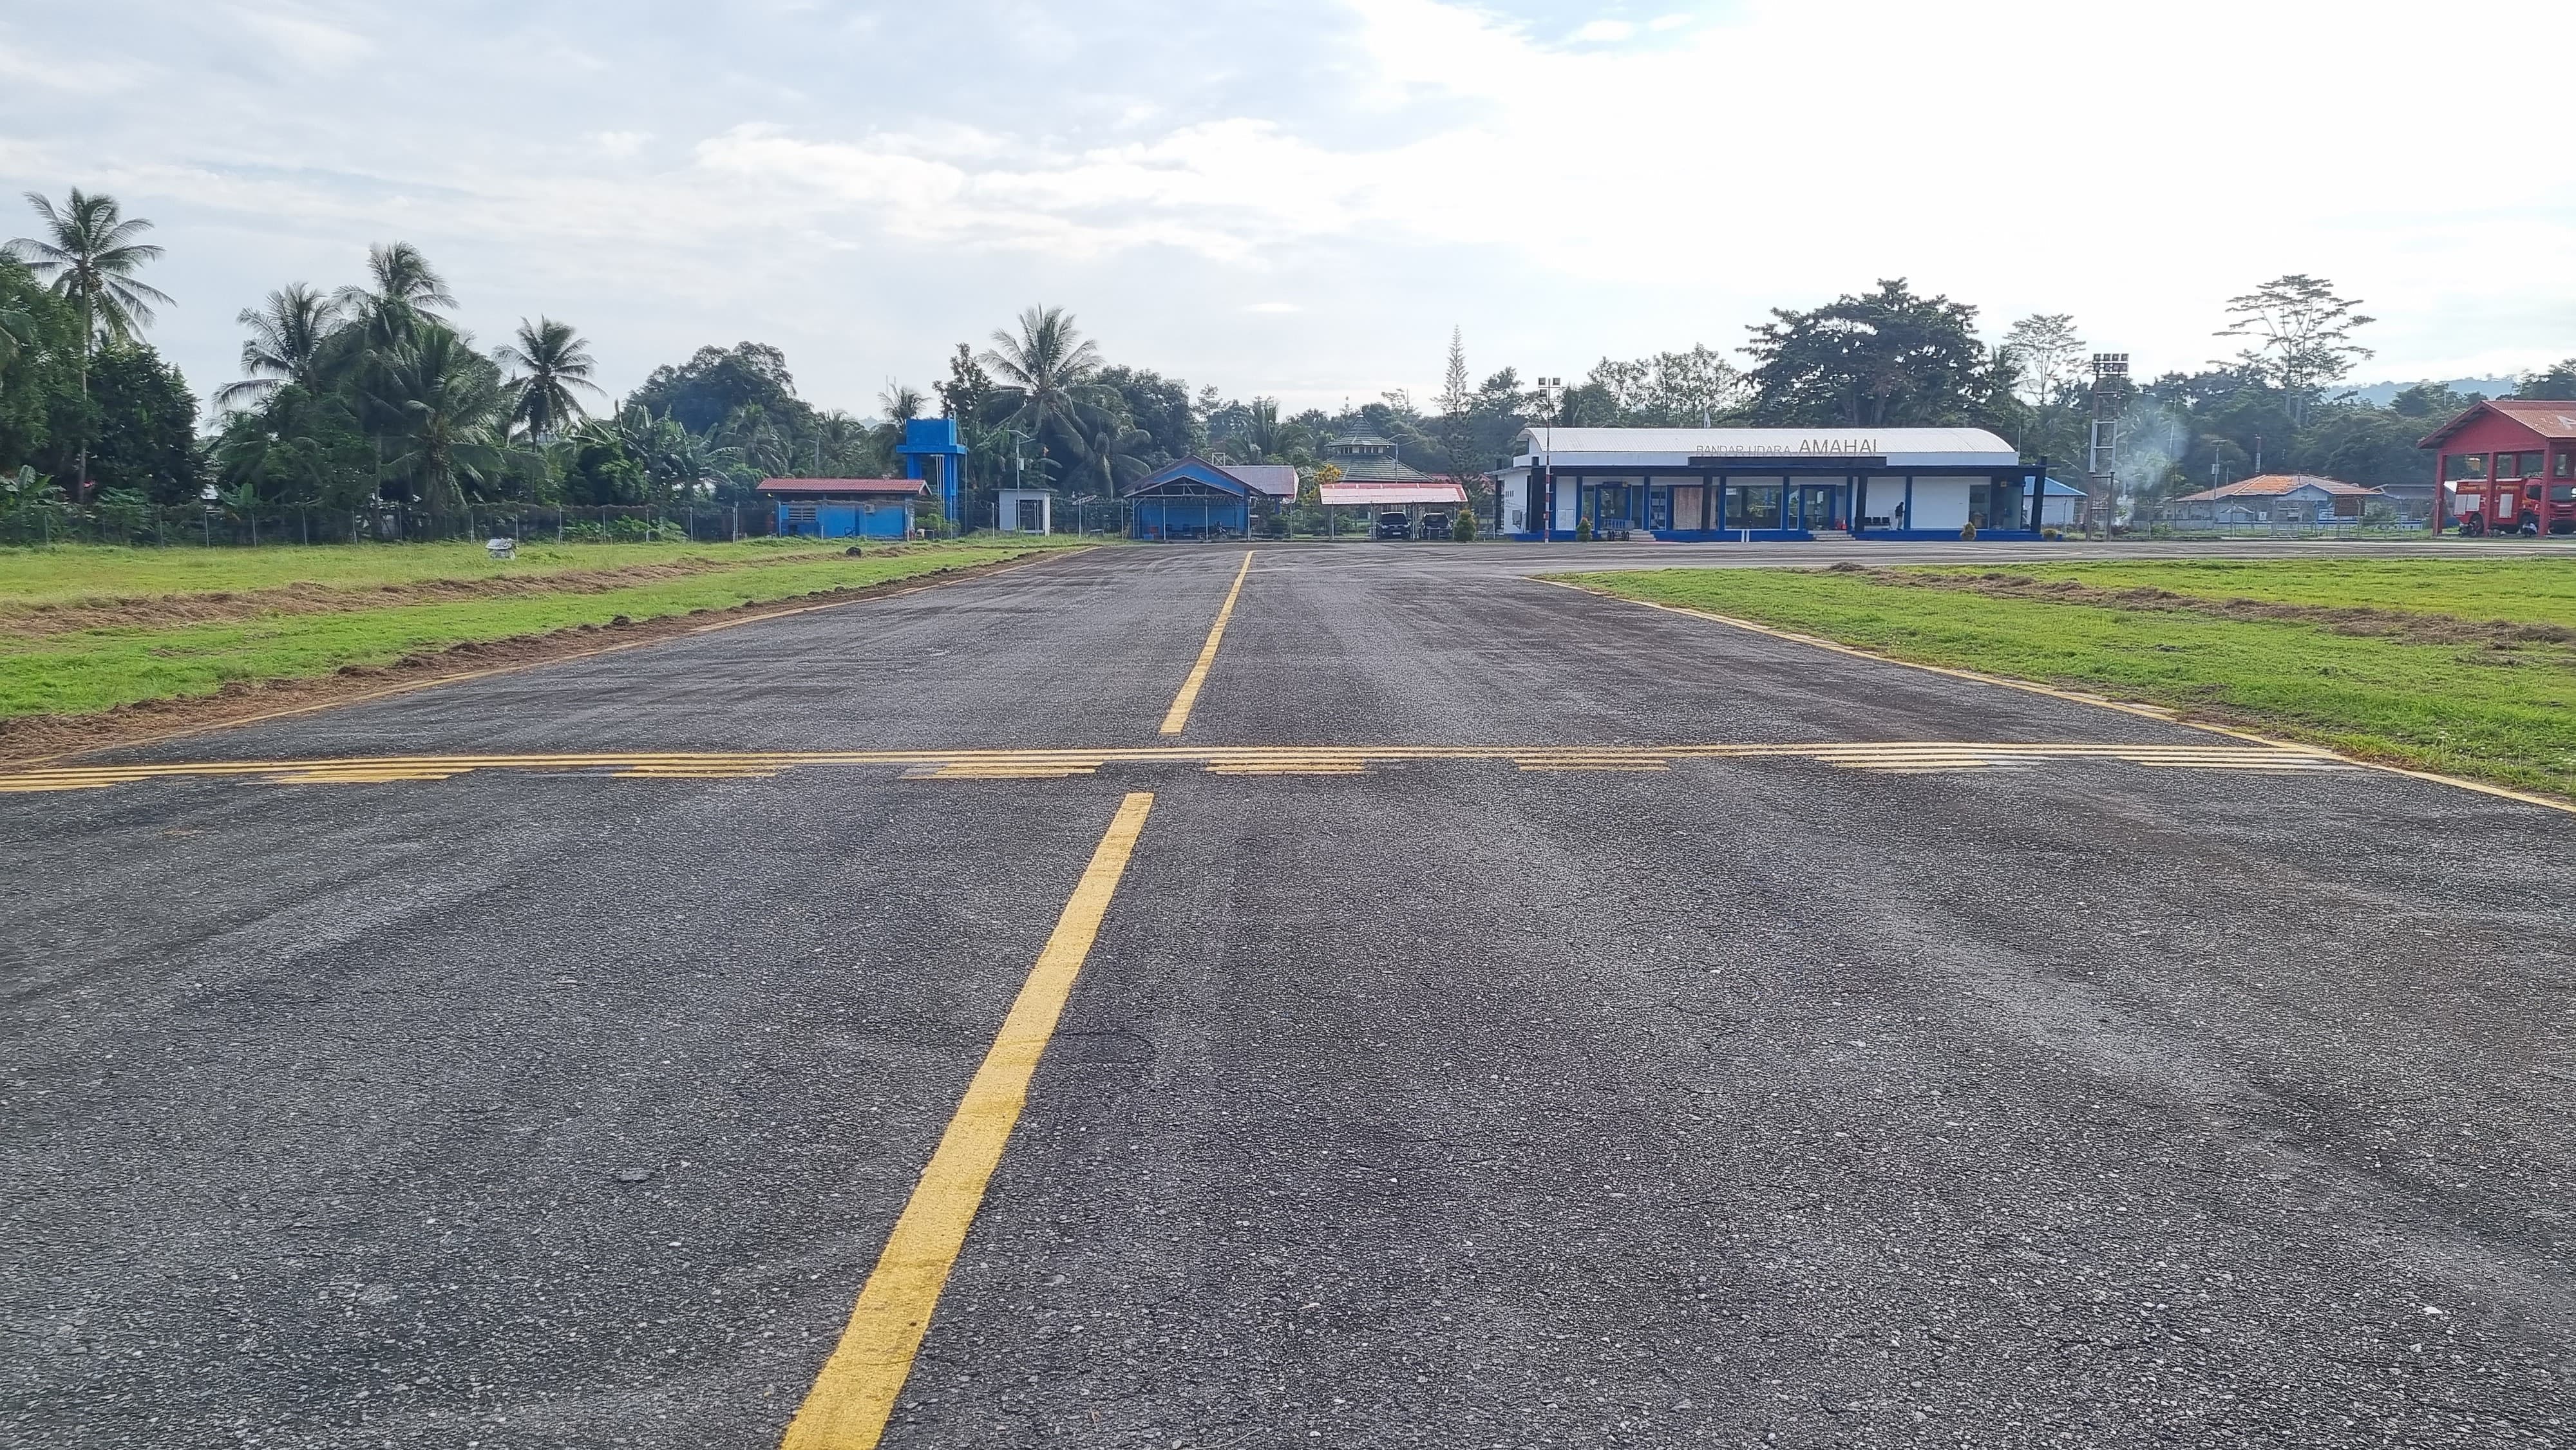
(76, 572)
(2522, 591)
(89, 670)
(2485, 705)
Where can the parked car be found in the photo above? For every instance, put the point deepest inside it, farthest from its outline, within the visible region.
(1434, 526)
(1394, 526)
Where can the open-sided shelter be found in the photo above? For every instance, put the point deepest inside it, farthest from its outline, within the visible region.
(1191, 498)
(2510, 463)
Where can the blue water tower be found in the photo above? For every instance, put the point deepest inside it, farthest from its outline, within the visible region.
(932, 451)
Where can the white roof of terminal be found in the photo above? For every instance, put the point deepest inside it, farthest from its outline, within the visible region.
(1926, 447)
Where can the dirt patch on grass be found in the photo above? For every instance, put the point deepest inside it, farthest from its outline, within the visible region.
(2371, 621)
(166, 611)
(37, 737)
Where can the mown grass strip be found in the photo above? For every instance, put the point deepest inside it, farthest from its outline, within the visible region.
(2502, 715)
(73, 572)
(2518, 591)
(96, 670)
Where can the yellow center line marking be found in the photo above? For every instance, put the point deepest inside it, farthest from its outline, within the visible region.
(851, 1398)
(1179, 715)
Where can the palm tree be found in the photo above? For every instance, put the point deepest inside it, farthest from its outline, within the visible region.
(445, 404)
(1051, 365)
(1261, 430)
(552, 360)
(902, 404)
(287, 335)
(1117, 449)
(405, 297)
(17, 334)
(90, 254)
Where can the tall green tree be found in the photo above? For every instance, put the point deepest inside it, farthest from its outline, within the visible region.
(552, 364)
(2301, 334)
(1056, 372)
(448, 415)
(2556, 384)
(90, 255)
(146, 426)
(403, 295)
(1888, 358)
(2046, 353)
(289, 334)
(1160, 406)
(702, 392)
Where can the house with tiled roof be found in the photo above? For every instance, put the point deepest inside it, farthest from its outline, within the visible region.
(2276, 498)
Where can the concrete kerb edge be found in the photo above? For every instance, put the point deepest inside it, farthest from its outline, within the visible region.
(411, 687)
(2151, 712)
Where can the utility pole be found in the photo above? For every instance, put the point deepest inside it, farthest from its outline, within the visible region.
(2102, 465)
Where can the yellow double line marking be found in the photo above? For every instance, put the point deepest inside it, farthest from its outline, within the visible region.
(1229, 760)
(851, 1398)
(1178, 716)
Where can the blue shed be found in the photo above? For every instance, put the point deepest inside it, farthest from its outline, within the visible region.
(1190, 499)
(845, 508)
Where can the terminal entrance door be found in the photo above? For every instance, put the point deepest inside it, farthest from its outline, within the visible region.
(1819, 505)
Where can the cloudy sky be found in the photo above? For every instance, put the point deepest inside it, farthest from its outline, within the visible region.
(1302, 199)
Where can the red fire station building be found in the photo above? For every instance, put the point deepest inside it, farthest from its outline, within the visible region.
(2508, 467)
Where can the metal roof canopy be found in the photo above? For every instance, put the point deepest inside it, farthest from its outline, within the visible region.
(1702, 450)
(1391, 495)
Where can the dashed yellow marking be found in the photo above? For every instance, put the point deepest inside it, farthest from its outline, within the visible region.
(851, 1398)
(1178, 716)
(1905, 756)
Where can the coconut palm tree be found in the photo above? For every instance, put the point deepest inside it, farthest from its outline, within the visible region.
(902, 403)
(445, 405)
(406, 295)
(1052, 366)
(287, 335)
(1117, 448)
(552, 360)
(89, 254)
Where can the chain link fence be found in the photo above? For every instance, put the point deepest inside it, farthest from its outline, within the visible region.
(55, 522)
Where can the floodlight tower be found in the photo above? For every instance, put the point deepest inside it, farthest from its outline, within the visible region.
(2102, 463)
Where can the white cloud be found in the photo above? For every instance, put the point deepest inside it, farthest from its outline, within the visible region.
(1395, 165)
(310, 43)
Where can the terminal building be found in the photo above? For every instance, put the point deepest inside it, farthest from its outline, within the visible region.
(1773, 483)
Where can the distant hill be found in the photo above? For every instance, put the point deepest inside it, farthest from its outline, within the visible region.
(2380, 395)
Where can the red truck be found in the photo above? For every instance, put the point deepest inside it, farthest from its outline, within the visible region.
(2508, 467)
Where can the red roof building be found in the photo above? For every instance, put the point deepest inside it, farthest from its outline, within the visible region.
(2508, 466)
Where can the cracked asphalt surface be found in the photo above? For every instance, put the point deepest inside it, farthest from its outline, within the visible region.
(1748, 1102)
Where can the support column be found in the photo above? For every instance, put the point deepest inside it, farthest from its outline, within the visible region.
(1909, 502)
